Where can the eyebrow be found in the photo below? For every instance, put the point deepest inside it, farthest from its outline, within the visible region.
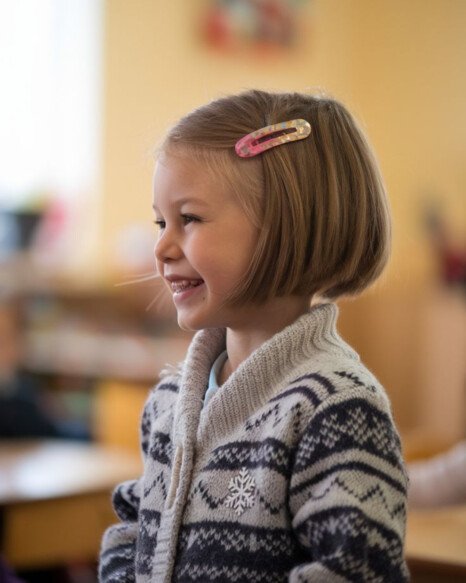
(185, 200)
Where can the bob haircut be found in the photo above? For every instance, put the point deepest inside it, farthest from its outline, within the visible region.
(319, 204)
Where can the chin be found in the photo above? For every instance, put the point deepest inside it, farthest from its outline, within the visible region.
(184, 326)
(189, 324)
(194, 322)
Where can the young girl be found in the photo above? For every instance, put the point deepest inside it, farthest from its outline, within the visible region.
(271, 455)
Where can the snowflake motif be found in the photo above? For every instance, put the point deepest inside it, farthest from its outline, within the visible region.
(242, 490)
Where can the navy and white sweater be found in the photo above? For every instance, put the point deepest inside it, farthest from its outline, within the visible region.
(291, 473)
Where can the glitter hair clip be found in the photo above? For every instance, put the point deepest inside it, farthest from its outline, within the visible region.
(271, 136)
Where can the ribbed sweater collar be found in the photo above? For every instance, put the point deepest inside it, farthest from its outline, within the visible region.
(255, 381)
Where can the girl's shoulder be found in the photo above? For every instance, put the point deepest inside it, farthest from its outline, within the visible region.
(169, 381)
(160, 405)
(165, 392)
(170, 371)
(320, 382)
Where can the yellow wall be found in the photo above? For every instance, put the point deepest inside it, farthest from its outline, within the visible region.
(410, 89)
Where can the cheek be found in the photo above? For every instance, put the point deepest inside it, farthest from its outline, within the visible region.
(244, 252)
(232, 267)
(216, 267)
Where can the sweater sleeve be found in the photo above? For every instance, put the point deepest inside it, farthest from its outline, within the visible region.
(348, 493)
(118, 551)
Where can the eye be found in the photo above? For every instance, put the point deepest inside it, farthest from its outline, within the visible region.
(190, 219)
(160, 223)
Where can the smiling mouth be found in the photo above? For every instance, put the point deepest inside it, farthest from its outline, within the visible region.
(182, 285)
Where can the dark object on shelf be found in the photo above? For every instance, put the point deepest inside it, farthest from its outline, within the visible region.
(451, 257)
(22, 227)
(7, 575)
(20, 414)
(27, 222)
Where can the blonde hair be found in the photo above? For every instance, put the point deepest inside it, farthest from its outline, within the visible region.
(319, 204)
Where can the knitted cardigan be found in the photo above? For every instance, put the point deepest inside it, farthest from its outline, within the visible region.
(291, 473)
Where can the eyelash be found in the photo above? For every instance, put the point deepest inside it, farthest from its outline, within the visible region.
(161, 224)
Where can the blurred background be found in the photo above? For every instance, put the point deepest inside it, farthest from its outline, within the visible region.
(88, 89)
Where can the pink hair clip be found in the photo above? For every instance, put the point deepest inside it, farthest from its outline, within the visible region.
(271, 136)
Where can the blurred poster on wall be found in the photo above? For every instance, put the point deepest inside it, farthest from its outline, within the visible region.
(260, 26)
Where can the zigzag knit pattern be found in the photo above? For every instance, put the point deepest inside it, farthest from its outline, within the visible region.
(291, 473)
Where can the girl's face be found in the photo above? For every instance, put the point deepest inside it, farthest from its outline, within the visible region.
(204, 246)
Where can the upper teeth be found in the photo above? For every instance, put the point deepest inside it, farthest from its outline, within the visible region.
(179, 286)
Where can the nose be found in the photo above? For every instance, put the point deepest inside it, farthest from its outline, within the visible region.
(167, 247)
